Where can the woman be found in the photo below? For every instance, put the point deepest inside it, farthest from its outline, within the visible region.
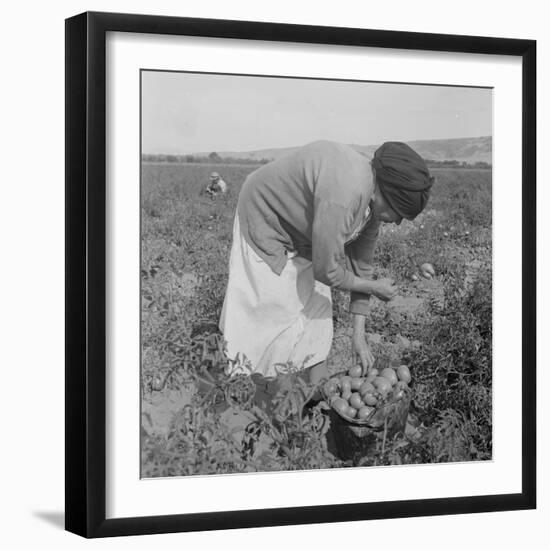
(306, 223)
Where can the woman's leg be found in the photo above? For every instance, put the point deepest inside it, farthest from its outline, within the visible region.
(318, 373)
(314, 376)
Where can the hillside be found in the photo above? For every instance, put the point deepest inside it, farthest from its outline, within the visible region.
(471, 150)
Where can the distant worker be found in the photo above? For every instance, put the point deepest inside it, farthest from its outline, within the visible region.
(216, 185)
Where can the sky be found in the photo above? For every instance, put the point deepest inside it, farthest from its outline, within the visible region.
(193, 112)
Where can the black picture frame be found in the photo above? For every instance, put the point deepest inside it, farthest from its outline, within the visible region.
(86, 273)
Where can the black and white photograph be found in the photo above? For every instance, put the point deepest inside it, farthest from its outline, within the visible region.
(316, 273)
(274, 275)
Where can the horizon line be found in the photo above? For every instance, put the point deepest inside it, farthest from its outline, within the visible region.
(225, 150)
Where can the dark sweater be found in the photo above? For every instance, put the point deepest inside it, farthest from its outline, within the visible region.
(313, 201)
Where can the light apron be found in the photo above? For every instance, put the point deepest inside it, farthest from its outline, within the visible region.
(274, 319)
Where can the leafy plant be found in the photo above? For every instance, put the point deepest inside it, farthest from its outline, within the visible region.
(186, 239)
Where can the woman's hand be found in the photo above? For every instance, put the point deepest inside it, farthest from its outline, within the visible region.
(384, 289)
(361, 349)
(427, 271)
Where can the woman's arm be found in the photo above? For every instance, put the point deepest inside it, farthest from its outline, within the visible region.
(359, 343)
(384, 289)
(360, 258)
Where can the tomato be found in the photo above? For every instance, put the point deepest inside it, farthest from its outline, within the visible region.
(364, 412)
(370, 400)
(366, 387)
(356, 383)
(355, 372)
(340, 405)
(345, 379)
(351, 412)
(389, 373)
(404, 374)
(346, 395)
(356, 401)
(346, 386)
(382, 384)
(331, 387)
(428, 269)
(372, 375)
(398, 394)
(158, 383)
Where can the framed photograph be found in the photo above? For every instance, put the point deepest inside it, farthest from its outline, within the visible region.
(300, 274)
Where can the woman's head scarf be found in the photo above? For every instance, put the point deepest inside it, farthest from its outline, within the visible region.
(403, 178)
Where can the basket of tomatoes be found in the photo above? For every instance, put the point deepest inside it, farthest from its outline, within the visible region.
(381, 398)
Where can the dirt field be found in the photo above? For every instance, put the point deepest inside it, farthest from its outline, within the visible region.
(441, 328)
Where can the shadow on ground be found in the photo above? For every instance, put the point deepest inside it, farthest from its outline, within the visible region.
(57, 519)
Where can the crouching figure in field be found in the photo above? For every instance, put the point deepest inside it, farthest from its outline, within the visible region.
(216, 186)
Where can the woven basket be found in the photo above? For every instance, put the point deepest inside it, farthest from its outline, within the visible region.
(390, 413)
(349, 439)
